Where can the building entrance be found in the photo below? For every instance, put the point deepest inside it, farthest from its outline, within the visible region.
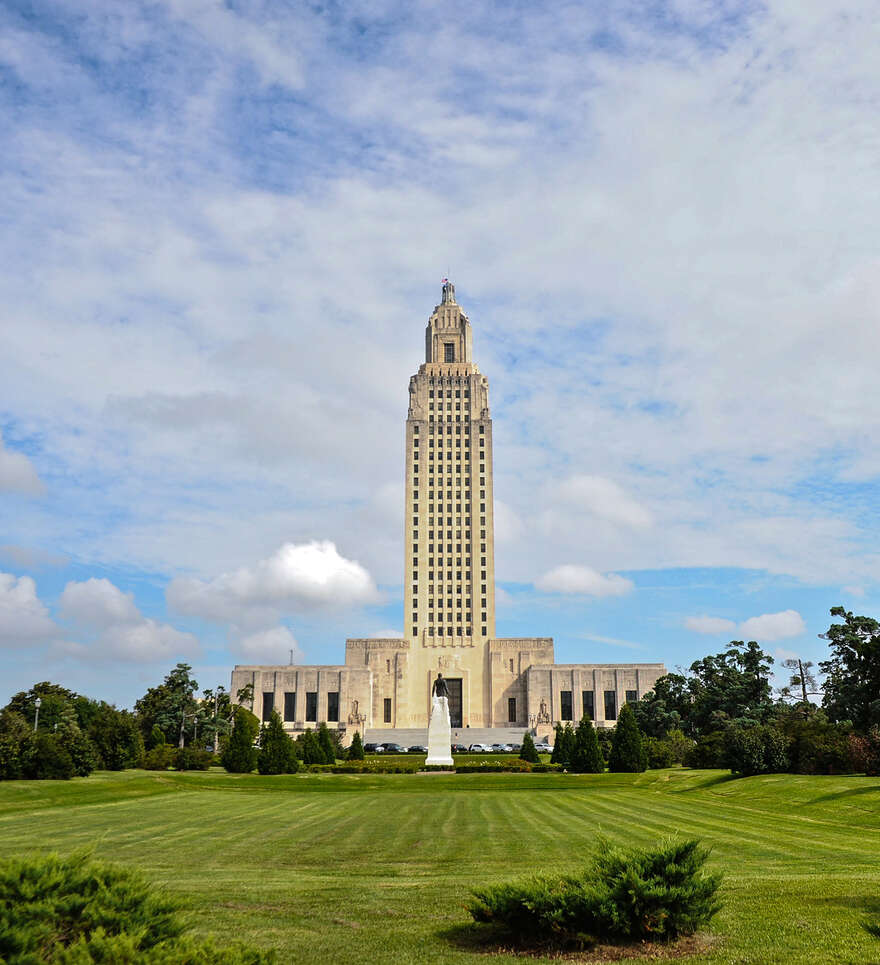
(454, 685)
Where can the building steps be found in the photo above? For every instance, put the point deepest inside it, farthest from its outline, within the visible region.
(407, 736)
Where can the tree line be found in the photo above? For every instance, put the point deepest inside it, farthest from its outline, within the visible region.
(720, 712)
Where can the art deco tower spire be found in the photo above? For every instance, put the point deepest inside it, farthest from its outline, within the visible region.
(449, 593)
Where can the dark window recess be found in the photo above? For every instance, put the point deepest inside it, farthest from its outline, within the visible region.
(290, 706)
(632, 697)
(565, 704)
(268, 704)
(610, 705)
(311, 706)
(511, 710)
(589, 703)
(448, 352)
(387, 714)
(333, 705)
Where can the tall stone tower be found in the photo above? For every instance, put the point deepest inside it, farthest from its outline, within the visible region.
(449, 562)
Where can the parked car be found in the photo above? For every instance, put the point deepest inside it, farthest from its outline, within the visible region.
(459, 749)
(515, 748)
(390, 748)
(542, 747)
(501, 748)
(479, 749)
(417, 749)
(370, 748)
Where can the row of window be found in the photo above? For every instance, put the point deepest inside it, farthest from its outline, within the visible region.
(289, 706)
(588, 705)
(440, 430)
(467, 393)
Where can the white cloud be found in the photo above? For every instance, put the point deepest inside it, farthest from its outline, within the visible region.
(294, 577)
(267, 646)
(773, 626)
(98, 603)
(23, 617)
(780, 653)
(17, 473)
(115, 628)
(765, 628)
(858, 591)
(583, 580)
(386, 635)
(711, 625)
(145, 641)
(604, 498)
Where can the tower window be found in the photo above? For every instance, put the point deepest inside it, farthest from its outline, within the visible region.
(448, 352)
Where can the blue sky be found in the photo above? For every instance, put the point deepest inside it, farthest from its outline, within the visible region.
(225, 228)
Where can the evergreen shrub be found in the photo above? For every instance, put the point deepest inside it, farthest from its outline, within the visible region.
(356, 751)
(276, 754)
(623, 896)
(76, 911)
(864, 752)
(528, 751)
(586, 757)
(628, 754)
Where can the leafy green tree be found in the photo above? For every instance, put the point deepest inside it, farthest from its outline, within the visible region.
(171, 705)
(276, 749)
(215, 715)
(240, 755)
(628, 753)
(852, 684)
(327, 745)
(665, 707)
(356, 751)
(57, 703)
(586, 758)
(116, 737)
(44, 758)
(756, 749)
(528, 751)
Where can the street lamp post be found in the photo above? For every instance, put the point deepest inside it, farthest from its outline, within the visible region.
(37, 703)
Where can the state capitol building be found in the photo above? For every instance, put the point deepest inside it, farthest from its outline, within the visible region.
(449, 590)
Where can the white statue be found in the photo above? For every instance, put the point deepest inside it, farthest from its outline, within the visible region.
(439, 727)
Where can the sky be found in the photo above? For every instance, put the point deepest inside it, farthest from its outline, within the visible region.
(225, 226)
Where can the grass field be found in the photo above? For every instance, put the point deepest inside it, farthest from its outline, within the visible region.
(345, 868)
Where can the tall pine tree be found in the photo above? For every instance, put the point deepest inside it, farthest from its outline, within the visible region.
(587, 758)
(240, 756)
(276, 749)
(326, 743)
(628, 753)
(558, 745)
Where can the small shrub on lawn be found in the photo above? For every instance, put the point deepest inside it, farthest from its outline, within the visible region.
(192, 759)
(159, 758)
(76, 911)
(623, 896)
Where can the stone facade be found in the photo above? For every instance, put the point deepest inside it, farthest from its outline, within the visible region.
(449, 589)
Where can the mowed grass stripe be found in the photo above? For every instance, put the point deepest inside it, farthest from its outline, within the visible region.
(348, 869)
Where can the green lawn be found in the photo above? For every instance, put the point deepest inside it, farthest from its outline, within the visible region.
(353, 868)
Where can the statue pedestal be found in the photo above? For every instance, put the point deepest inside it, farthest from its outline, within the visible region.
(439, 733)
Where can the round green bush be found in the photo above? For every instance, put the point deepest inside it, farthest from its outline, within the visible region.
(76, 911)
